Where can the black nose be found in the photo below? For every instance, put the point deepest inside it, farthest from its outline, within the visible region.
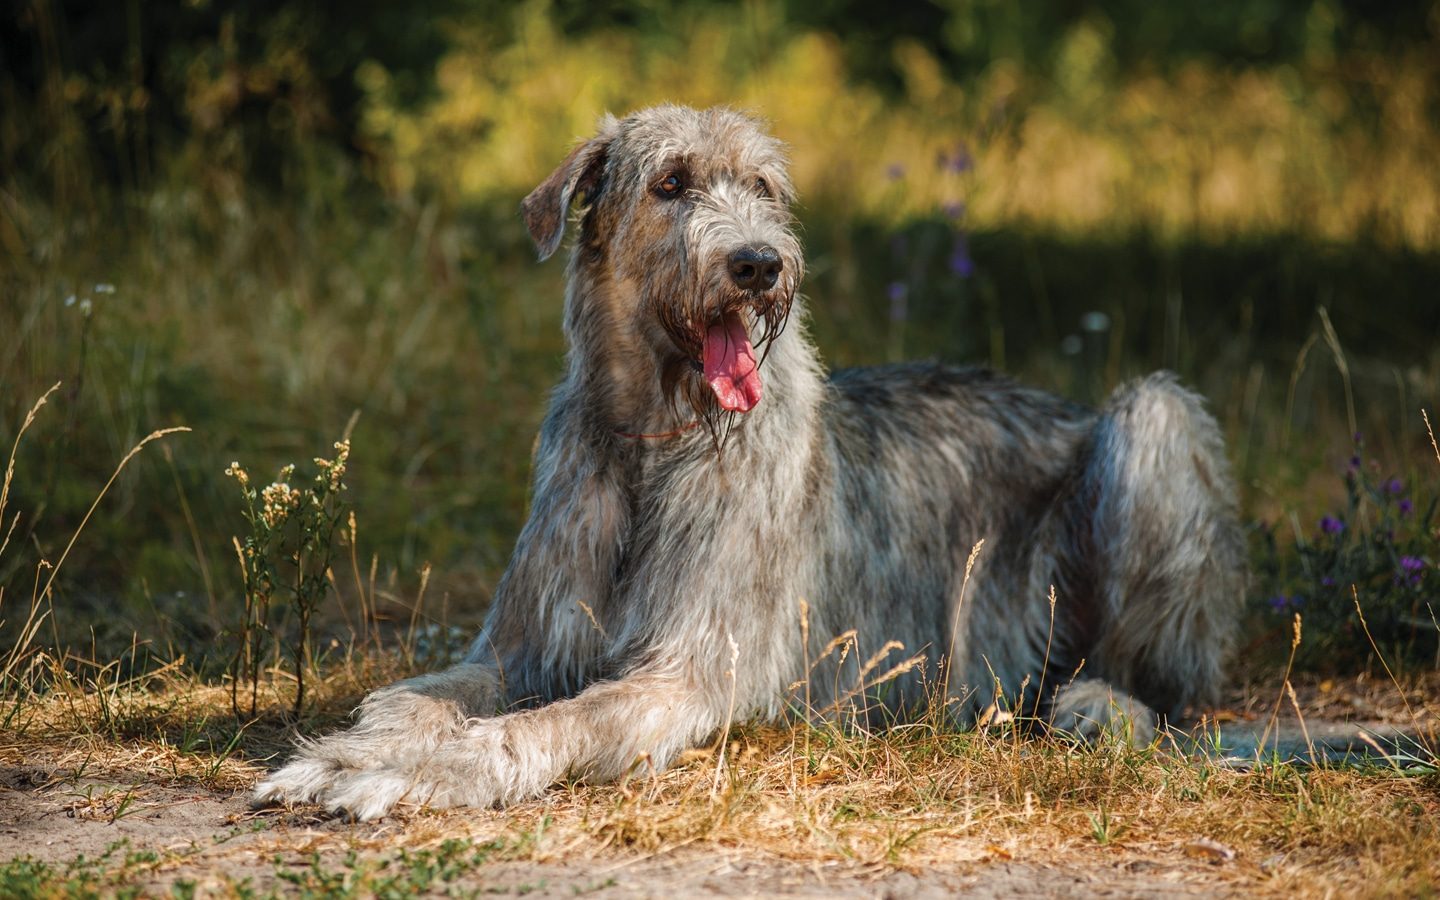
(755, 268)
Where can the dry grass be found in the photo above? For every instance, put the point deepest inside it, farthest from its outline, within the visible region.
(910, 799)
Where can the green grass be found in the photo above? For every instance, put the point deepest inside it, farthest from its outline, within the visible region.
(442, 350)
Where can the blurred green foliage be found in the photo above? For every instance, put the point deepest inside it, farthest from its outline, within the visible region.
(256, 219)
(133, 68)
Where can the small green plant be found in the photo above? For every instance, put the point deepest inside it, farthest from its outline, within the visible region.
(407, 873)
(415, 873)
(1104, 828)
(315, 880)
(285, 557)
(27, 877)
(113, 873)
(581, 890)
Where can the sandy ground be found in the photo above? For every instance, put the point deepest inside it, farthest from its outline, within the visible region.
(214, 840)
(211, 837)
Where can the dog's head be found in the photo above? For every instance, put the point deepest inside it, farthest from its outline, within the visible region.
(686, 242)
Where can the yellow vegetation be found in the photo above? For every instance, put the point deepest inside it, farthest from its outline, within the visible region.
(1201, 151)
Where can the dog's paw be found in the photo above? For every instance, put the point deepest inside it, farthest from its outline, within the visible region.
(302, 780)
(360, 794)
(1091, 710)
(375, 793)
(370, 795)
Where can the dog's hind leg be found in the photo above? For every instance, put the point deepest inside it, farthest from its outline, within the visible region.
(1166, 550)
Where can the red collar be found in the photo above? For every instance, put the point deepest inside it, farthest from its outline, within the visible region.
(664, 434)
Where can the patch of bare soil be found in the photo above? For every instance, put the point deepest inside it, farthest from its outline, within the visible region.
(798, 812)
(212, 839)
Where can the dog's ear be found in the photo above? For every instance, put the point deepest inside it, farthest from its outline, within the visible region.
(546, 207)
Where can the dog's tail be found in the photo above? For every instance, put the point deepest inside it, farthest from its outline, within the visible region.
(1169, 549)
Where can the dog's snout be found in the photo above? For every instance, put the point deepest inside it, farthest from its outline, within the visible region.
(755, 268)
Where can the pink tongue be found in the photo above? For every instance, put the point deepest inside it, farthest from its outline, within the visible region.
(730, 365)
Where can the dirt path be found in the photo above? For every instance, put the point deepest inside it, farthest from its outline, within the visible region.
(214, 840)
(143, 827)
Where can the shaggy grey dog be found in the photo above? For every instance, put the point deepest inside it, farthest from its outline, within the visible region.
(720, 532)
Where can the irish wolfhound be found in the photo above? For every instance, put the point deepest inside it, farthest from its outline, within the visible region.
(710, 510)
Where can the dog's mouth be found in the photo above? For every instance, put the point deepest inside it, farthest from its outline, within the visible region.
(718, 353)
(730, 366)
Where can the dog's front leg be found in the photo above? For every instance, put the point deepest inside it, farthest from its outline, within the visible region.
(643, 720)
(404, 721)
(544, 631)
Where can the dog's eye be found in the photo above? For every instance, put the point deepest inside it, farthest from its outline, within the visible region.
(763, 186)
(671, 186)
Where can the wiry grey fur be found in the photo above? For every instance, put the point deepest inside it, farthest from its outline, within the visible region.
(844, 503)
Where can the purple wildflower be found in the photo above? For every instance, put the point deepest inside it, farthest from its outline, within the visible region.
(960, 262)
(1355, 463)
(954, 210)
(1406, 507)
(1327, 581)
(899, 306)
(1394, 486)
(1281, 602)
(1331, 525)
(1411, 569)
(961, 162)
